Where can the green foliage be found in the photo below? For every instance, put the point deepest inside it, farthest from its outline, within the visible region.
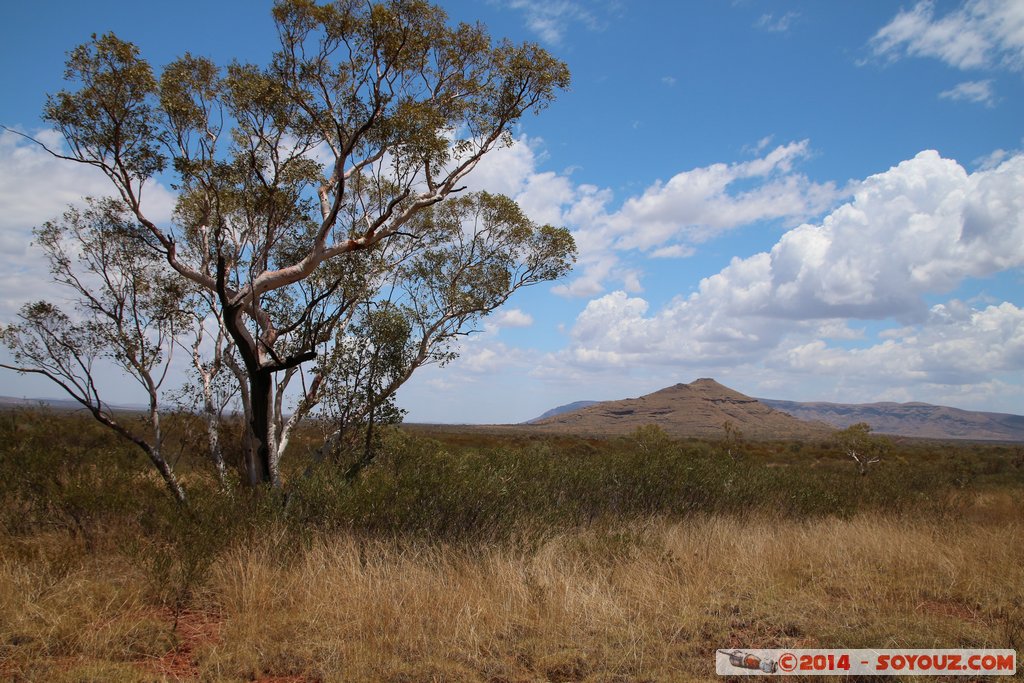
(74, 476)
(732, 440)
(650, 438)
(461, 488)
(318, 217)
(862, 446)
(110, 119)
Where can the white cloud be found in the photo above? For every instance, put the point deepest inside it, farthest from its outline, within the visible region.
(773, 24)
(699, 204)
(836, 329)
(666, 219)
(957, 345)
(596, 265)
(693, 206)
(512, 317)
(612, 328)
(673, 251)
(481, 360)
(991, 160)
(551, 19)
(979, 92)
(921, 227)
(483, 355)
(514, 171)
(506, 170)
(600, 232)
(36, 187)
(761, 145)
(544, 197)
(918, 229)
(981, 33)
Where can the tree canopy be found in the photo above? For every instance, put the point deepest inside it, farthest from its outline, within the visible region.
(322, 232)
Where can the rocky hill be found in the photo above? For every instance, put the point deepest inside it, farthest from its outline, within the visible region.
(696, 409)
(910, 419)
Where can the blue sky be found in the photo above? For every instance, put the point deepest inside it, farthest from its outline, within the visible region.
(803, 200)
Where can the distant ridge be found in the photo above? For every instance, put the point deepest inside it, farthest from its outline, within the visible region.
(61, 404)
(567, 408)
(922, 420)
(696, 409)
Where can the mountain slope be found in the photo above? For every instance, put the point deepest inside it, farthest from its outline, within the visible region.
(910, 419)
(567, 408)
(696, 409)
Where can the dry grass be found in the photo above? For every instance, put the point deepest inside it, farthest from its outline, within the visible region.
(631, 602)
(67, 614)
(645, 601)
(544, 561)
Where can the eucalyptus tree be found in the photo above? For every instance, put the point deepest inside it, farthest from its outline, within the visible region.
(864, 448)
(311, 219)
(476, 251)
(127, 312)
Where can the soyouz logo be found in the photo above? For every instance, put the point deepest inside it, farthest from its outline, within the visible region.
(834, 662)
(745, 660)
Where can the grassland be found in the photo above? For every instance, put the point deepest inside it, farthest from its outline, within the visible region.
(467, 556)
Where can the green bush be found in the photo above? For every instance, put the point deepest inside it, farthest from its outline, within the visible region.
(62, 470)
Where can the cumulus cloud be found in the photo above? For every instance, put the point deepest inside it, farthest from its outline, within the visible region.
(506, 170)
(668, 218)
(978, 92)
(699, 204)
(674, 251)
(36, 187)
(981, 33)
(484, 354)
(512, 317)
(921, 227)
(918, 229)
(957, 345)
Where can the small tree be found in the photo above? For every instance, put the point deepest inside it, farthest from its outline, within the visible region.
(732, 440)
(126, 302)
(318, 187)
(650, 438)
(212, 388)
(864, 448)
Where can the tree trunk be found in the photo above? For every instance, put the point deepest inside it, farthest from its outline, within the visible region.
(213, 439)
(162, 466)
(155, 456)
(257, 459)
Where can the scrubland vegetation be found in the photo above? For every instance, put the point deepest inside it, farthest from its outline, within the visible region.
(467, 556)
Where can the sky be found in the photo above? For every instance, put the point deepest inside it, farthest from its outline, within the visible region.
(813, 201)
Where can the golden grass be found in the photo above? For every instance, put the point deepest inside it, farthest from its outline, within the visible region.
(67, 614)
(640, 601)
(645, 601)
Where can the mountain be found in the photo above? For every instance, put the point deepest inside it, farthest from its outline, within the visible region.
(567, 408)
(910, 419)
(696, 409)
